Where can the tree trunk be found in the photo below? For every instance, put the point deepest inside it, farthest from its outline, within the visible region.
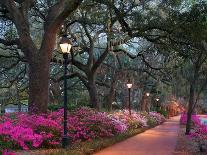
(55, 93)
(143, 103)
(93, 93)
(190, 107)
(111, 95)
(192, 98)
(38, 84)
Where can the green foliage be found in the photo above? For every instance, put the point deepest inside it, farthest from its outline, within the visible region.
(71, 106)
(54, 107)
(175, 2)
(151, 122)
(163, 112)
(4, 144)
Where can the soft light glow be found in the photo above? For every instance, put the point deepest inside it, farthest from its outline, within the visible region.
(65, 47)
(157, 99)
(65, 44)
(129, 85)
(148, 94)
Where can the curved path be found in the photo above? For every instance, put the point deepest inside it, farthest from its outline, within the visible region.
(160, 140)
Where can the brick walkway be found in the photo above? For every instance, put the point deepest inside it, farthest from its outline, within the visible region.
(160, 140)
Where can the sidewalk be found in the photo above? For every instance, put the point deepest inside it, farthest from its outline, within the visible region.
(160, 140)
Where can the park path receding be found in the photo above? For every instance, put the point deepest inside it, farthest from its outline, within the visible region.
(160, 140)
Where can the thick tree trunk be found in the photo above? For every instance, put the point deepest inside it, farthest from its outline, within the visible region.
(38, 85)
(93, 93)
(191, 99)
(143, 103)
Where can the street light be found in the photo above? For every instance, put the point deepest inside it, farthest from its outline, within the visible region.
(65, 46)
(148, 101)
(157, 99)
(129, 86)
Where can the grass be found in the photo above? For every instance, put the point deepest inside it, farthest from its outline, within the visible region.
(88, 147)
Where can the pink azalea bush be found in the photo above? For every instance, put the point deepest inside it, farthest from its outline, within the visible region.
(47, 128)
(16, 136)
(24, 131)
(86, 124)
(199, 134)
(195, 119)
(153, 118)
(199, 131)
(157, 117)
(135, 120)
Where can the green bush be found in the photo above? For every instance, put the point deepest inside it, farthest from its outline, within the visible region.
(5, 143)
(151, 122)
(54, 107)
(163, 112)
(82, 101)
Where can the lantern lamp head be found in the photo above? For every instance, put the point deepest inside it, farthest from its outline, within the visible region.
(65, 44)
(129, 84)
(148, 94)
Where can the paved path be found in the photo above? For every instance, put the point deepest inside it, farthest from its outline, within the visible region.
(160, 140)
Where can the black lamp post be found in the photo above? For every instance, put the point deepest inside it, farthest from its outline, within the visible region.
(129, 86)
(148, 100)
(65, 46)
(157, 99)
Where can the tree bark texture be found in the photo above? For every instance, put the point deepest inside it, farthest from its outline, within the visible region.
(144, 103)
(191, 99)
(111, 95)
(190, 108)
(93, 94)
(38, 86)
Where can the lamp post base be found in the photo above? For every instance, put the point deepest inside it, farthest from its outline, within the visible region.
(65, 141)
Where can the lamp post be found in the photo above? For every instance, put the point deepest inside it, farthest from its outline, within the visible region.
(65, 46)
(129, 86)
(148, 101)
(157, 99)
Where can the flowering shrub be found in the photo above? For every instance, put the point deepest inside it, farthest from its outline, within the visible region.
(15, 136)
(157, 117)
(199, 133)
(199, 130)
(194, 118)
(24, 131)
(49, 129)
(85, 124)
(135, 120)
